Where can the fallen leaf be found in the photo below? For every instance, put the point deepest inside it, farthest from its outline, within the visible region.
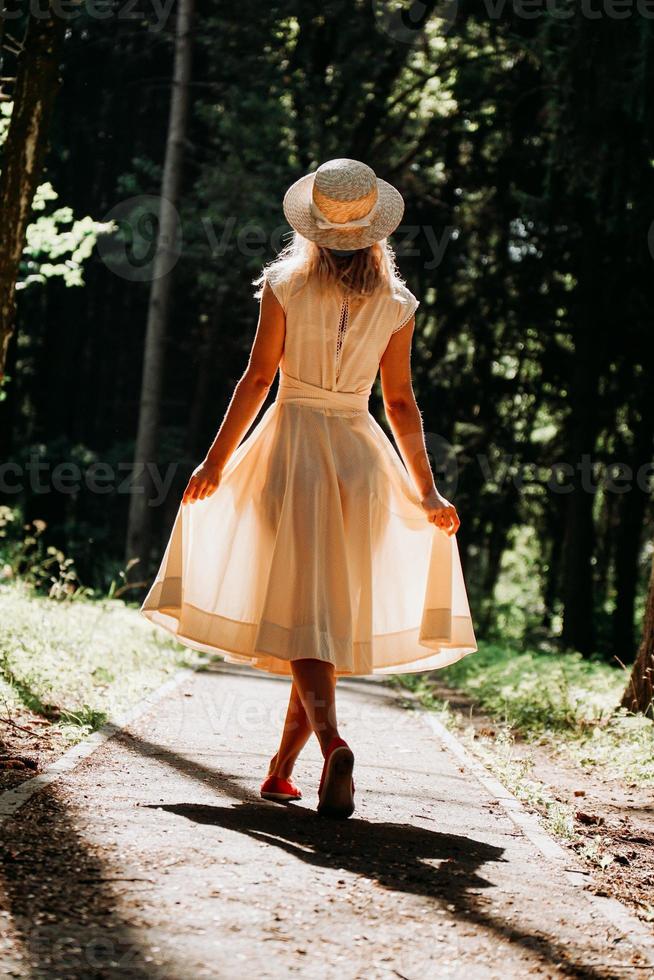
(588, 818)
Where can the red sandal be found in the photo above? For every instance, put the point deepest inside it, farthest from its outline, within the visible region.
(336, 790)
(280, 790)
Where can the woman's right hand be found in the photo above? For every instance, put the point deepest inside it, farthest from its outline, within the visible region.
(204, 480)
(441, 512)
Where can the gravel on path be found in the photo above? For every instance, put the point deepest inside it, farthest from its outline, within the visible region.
(156, 858)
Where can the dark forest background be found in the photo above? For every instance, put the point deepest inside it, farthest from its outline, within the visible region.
(522, 139)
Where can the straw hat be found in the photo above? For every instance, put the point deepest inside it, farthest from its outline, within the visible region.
(343, 205)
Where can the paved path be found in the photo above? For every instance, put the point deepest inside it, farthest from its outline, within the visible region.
(156, 858)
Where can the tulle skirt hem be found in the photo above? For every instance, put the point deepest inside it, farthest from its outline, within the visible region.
(271, 648)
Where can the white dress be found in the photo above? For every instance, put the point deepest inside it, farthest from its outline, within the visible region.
(315, 544)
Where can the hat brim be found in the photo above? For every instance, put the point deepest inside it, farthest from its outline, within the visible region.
(297, 210)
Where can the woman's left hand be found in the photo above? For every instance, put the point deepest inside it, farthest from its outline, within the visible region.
(204, 481)
(441, 512)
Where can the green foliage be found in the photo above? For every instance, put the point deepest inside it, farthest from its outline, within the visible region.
(517, 774)
(560, 699)
(79, 664)
(517, 602)
(25, 555)
(536, 690)
(57, 244)
(5, 117)
(80, 520)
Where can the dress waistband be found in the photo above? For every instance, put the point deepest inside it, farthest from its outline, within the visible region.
(299, 392)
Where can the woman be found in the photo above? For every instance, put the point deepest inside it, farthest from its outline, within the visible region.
(310, 550)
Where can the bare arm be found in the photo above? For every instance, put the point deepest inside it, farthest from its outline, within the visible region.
(249, 395)
(405, 421)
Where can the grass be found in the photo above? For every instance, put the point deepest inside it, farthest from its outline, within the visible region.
(78, 662)
(559, 699)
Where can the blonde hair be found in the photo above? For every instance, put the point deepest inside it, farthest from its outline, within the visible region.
(357, 274)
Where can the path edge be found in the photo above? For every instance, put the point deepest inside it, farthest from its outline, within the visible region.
(611, 909)
(11, 800)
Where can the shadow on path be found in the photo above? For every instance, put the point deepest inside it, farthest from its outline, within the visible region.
(396, 856)
(67, 910)
(61, 894)
(393, 854)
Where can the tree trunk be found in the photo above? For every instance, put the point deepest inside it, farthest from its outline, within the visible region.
(37, 83)
(578, 596)
(606, 541)
(627, 551)
(553, 543)
(206, 374)
(207, 370)
(579, 538)
(639, 694)
(633, 509)
(139, 519)
(496, 545)
(495, 548)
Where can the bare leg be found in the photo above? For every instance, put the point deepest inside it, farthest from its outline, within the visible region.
(296, 734)
(316, 684)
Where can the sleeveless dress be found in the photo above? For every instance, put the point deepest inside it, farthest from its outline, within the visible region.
(315, 543)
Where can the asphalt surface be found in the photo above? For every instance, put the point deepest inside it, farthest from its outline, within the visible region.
(156, 858)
